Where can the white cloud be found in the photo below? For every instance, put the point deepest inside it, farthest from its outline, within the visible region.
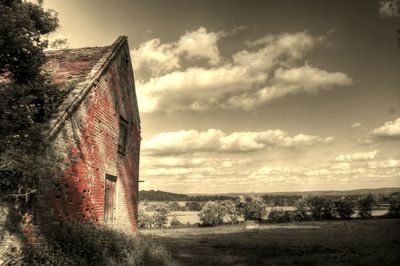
(157, 58)
(360, 156)
(311, 79)
(217, 176)
(194, 89)
(273, 50)
(200, 44)
(213, 140)
(341, 166)
(304, 79)
(241, 82)
(172, 162)
(390, 130)
(389, 163)
(154, 56)
(317, 172)
(356, 124)
(389, 8)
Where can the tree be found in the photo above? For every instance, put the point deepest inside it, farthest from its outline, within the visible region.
(321, 208)
(231, 213)
(344, 208)
(160, 217)
(174, 206)
(394, 200)
(301, 212)
(25, 104)
(252, 208)
(365, 205)
(212, 214)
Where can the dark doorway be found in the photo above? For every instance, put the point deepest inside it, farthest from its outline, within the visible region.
(110, 199)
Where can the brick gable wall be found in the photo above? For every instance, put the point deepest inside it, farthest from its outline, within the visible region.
(87, 149)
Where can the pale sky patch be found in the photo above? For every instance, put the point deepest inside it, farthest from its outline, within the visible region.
(359, 156)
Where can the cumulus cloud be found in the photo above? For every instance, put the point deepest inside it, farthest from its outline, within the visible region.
(317, 172)
(359, 156)
(389, 8)
(157, 58)
(389, 131)
(275, 50)
(194, 89)
(311, 79)
(200, 44)
(389, 163)
(213, 140)
(356, 124)
(341, 166)
(265, 70)
(225, 173)
(305, 79)
(172, 162)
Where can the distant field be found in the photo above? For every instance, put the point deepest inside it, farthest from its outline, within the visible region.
(352, 242)
(183, 216)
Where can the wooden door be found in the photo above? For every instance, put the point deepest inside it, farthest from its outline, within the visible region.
(110, 200)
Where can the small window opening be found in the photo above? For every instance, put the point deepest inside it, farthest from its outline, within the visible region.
(123, 135)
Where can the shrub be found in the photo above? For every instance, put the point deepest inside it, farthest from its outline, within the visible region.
(212, 214)
(193, 206)
(365, 206)
(144, 220)
(80, 244)
(160, 217)
(252, 208)
(321, 208)
(280, 216)
(174, 206)
(175, 222)
(344, 208)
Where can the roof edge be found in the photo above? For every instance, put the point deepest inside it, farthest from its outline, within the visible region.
(82, 89)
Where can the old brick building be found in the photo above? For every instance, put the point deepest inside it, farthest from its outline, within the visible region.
(96, 136)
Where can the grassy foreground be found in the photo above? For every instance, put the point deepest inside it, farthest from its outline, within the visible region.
(351, 242)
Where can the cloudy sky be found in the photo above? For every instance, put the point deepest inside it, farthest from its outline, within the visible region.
(256, 96)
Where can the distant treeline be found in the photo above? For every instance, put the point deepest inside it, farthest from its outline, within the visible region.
(274, 199)
(156, 195)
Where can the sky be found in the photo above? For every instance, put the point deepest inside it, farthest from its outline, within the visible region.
(256, 96)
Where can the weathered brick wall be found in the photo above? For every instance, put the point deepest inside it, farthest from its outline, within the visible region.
(86, 147)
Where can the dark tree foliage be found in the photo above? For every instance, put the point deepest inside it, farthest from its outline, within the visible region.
(24, 104)
(21, 44)
(321, 208)
(344, 208)
(252, 208)
(365, 205)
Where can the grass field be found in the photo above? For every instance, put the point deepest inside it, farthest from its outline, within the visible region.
(353, 242)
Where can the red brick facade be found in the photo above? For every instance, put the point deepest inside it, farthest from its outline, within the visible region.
(96, 136)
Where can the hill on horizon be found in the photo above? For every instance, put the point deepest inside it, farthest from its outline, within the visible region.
(158, 195)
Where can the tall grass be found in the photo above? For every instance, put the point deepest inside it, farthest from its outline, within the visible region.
(80, 244)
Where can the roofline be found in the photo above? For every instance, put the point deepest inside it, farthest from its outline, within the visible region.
(68, 110)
